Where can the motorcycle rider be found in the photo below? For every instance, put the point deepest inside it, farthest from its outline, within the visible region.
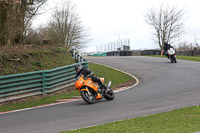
(166, 47)
(87, 73)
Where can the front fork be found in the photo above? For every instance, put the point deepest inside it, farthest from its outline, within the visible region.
(109, 84)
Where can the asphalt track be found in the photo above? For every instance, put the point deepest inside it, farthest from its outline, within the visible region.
(162, 87)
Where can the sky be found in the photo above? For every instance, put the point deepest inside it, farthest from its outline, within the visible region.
(111, 20)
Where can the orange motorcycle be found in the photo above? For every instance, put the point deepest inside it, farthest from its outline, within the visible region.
(89, 90)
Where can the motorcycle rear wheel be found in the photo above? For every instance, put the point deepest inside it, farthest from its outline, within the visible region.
(87, 97)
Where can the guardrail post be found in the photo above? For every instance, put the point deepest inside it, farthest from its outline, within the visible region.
(81, 59)
(78, 58)
(43, 83)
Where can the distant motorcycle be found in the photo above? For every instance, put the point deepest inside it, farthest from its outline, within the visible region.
(172, 55)
(89, 90)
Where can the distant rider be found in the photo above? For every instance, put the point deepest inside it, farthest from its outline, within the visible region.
(167, 47)
(87, 73)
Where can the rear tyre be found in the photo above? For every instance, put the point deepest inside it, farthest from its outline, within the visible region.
(87, 97)
(109, 95)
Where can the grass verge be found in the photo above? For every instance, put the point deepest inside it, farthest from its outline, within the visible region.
(118, 79)
(186, 120)
(34, 101)
(34, 58)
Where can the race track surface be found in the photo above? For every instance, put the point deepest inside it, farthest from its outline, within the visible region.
(162, 87)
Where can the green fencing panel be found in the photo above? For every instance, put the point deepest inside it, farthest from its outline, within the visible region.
(39, 82)
(98, 54)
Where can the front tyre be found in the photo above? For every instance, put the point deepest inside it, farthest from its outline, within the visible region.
(171, 59)
(87, 97)
(175, 60)
(109, 95)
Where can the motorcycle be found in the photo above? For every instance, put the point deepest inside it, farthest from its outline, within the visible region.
(90, 91)
(172, 55)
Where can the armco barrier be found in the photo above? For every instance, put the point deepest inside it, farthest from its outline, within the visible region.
(158, 52)
(77, 57)
(22, 85)
(99, 54)
(119, 53)
(189, 53)
(151, 52)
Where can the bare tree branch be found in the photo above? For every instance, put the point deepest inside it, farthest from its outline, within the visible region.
(17, 16)
(167, 24)
(66, 29)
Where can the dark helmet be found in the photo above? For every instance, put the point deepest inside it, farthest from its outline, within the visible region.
(165, 43)
(78, 67)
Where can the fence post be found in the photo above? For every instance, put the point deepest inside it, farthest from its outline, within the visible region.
(76, 56)
(43, 83)
(79, 58)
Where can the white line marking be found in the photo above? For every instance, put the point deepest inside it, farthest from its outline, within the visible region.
(119, 90)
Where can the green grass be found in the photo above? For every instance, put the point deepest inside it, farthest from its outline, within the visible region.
(186, 120)
(28, 59)
(189, 58)
(116, 77)
(30, 102)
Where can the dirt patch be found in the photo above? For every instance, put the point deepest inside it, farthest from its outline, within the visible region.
(129, 83)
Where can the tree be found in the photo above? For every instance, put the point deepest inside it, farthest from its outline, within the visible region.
(167, 24)
(15, 17)
(29, 9)
(65, 27)
(2, 23)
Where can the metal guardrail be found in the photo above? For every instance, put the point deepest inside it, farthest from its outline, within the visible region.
(77, 57)
(119, 53)
(22, 85)
(99, 54)
(158, 52)
(189, 53)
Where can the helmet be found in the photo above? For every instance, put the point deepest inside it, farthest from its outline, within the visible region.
(78, 67)
(165, 43)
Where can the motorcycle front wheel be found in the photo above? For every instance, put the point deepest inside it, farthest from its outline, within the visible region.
(175, 60)
(87, 97)
(171, 59)
(109, 95)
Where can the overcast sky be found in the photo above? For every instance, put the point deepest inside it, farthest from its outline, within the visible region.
(111, 20)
